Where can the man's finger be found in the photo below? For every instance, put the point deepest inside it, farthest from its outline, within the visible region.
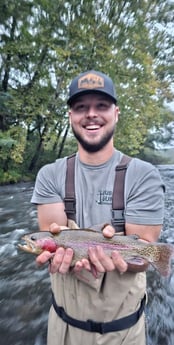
(83, 264)
(119, 262)
(108, 231)
(104, 259)
(93, 255)
(44, 257)
(62, 260)
(54, 228)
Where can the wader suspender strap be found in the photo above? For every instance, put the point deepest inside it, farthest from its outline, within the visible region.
(118, 192)
(69, 200)
(118, 206)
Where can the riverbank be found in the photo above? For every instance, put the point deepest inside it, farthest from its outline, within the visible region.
(10, 179)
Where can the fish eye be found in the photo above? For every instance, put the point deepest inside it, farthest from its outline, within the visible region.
(33, 238)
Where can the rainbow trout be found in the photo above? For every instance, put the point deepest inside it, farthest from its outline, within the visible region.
(157, 254)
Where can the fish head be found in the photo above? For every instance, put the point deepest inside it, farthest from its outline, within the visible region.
(36, 243)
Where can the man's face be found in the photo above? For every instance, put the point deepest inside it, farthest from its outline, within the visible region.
(93, 118)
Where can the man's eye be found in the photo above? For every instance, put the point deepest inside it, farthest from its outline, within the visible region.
(103, 106)
(80, 107)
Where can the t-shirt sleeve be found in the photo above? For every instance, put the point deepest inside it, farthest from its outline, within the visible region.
(145, 197)
(48, 186)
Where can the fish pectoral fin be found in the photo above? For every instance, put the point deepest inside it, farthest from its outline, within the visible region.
(136, 260)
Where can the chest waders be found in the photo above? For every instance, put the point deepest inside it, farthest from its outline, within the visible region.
(118, 222)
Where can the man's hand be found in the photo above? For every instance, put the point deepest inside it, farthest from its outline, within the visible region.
(100, 261)
(103, 262)
(61, 260)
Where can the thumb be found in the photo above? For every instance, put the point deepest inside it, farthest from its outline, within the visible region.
(54, 228)
(108, 231)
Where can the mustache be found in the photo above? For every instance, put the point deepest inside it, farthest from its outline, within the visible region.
(97, 122)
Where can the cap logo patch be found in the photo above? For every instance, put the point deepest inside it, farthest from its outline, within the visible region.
(90, 81)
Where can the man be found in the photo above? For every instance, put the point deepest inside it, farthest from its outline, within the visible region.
(119, 289)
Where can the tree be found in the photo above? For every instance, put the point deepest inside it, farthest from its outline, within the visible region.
(45, 44)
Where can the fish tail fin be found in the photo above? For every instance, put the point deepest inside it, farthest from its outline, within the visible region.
(163, 264)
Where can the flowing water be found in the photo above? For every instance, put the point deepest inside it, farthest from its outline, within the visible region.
(25, 288)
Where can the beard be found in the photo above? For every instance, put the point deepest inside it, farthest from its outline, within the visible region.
(94, 147)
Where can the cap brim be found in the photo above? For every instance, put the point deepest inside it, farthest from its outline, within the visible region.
(72, 99)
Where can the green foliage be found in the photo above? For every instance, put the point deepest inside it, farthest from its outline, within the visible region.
(70, 147)
(157, 157)
(12, 146)
(11, 176)
(44, 44)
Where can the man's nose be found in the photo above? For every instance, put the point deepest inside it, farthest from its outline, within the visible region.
(91, 111)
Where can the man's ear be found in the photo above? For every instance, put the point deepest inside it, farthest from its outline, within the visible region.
(69, 113)
(117, 113)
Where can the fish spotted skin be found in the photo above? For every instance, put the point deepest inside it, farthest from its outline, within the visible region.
(131, 249)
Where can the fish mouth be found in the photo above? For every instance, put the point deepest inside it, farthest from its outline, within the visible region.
(29, 246)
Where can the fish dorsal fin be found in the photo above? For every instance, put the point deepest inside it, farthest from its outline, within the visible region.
(97, 227)
(72, 224)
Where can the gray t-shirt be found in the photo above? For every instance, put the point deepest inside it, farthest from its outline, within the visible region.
(144, 192)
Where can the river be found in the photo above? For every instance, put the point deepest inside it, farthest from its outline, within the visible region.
(25, 288)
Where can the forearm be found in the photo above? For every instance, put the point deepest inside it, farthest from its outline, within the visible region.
(51, 213)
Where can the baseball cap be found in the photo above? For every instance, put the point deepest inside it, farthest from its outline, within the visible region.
(91, 82)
